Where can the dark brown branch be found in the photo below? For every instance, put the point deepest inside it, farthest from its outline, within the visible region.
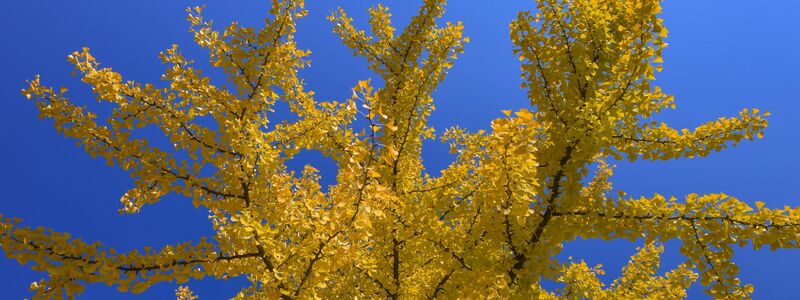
(440, 285)
(128, 268)
(725, 218)
(555, 191)
(705, 255)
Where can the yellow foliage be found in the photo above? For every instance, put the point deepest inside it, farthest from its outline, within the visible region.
(489, 227)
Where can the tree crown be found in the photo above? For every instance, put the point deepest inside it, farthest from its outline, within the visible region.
(489, 225)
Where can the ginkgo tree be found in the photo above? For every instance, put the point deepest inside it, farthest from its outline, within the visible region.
(489, 226)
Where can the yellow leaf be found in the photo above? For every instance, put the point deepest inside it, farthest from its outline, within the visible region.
(759, 205)
(363, 84)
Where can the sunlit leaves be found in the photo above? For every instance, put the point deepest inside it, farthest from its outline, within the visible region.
(490, 225)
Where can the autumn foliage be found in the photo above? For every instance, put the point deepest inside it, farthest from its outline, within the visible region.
(490, 225)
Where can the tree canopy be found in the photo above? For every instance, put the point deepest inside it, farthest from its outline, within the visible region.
(490, 225)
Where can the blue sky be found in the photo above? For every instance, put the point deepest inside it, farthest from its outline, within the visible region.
(723, 56)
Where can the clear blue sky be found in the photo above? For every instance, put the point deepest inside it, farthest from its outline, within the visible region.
(724, 55)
